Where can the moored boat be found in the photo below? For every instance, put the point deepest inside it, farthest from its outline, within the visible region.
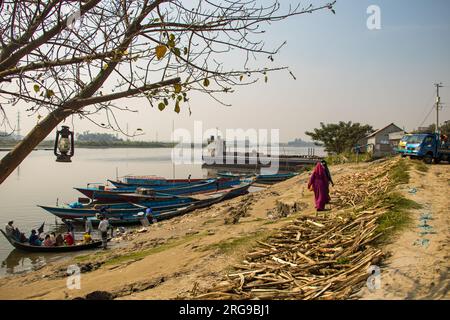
(260, 178)
(150, 194)
(114, 210)
(151, 181)
(126, 213)
(30, 248)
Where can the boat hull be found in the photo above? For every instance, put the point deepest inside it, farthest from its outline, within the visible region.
(119, 211)
(43, 249)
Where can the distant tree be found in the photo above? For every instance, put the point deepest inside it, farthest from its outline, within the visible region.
(69, 58)
(340, 137)
(97, 137)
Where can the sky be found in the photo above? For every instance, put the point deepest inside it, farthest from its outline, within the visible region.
(344, 71)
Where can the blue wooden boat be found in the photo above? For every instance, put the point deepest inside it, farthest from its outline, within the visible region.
(151, 181)
(273, 178)
(114, 210)
(126, 212)
(202, 200)
(118, 195)
(150, 194)
(260, 178)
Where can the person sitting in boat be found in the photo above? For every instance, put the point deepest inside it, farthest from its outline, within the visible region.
(48, 241)
(34, 239)
(87, 238)
(9, 229)
(59, 240)
(68, 239)
(13, 232)
(70, 227)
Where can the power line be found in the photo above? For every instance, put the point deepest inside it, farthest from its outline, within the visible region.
(426, 117)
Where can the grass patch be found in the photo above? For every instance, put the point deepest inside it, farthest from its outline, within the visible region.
(210, 221)
(87, 257)
(399, 172)
(398, 215)
(234, 244)
(420, 166)
(144, 253)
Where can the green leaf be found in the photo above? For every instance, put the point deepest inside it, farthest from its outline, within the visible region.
(266, 79)
(206, 82)
(177, 87)
(171, 43)
(36, 88)
(49, 93)
(177, 52)
(172, 37)
(161, 106)
(166, 102)
(185, 51)
(177, 107)
(160, 51)
(180, 97)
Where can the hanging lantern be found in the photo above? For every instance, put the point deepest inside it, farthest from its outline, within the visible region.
(64, 144)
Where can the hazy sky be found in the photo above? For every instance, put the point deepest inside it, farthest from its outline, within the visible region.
(344, 72)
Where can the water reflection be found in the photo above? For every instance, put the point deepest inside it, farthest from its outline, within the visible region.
(18, 262)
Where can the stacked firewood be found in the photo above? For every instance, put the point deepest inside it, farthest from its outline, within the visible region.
(311, 258)
(315, 257)
(352, 189)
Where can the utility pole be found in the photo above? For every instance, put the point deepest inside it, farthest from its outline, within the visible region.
(438, 102)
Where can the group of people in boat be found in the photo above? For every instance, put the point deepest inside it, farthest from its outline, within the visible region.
(66, 239)
(35, 238)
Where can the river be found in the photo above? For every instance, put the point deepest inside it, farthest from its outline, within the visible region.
(41, 180)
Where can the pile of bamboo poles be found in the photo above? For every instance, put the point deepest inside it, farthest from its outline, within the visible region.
(315, 257)
(352, 189)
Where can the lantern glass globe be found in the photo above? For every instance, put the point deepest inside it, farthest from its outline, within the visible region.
(64, 145)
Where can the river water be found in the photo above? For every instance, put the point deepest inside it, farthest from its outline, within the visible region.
(41, 180)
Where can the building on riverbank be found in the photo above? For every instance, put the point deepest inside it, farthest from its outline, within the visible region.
(382, 142)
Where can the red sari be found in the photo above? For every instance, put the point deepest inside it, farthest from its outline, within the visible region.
(319, 183)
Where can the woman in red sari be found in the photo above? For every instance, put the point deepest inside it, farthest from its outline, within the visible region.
(318, 182)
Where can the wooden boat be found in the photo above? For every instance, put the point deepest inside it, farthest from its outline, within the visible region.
(149, 194)
(273, 178)
(114, 210)
(117, 195)
(201, 201)
(151, 181)
(260, 178)
(27, 247)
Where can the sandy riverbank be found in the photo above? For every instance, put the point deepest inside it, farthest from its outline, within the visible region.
(197, 250)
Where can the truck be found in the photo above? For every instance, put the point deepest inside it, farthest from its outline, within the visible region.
(428, 147)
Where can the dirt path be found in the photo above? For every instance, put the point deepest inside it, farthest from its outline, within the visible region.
(419, 262)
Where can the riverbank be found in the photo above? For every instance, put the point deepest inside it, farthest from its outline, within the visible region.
(190, 256)
(48, 145)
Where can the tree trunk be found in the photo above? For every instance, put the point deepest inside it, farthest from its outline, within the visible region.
(15, 157)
